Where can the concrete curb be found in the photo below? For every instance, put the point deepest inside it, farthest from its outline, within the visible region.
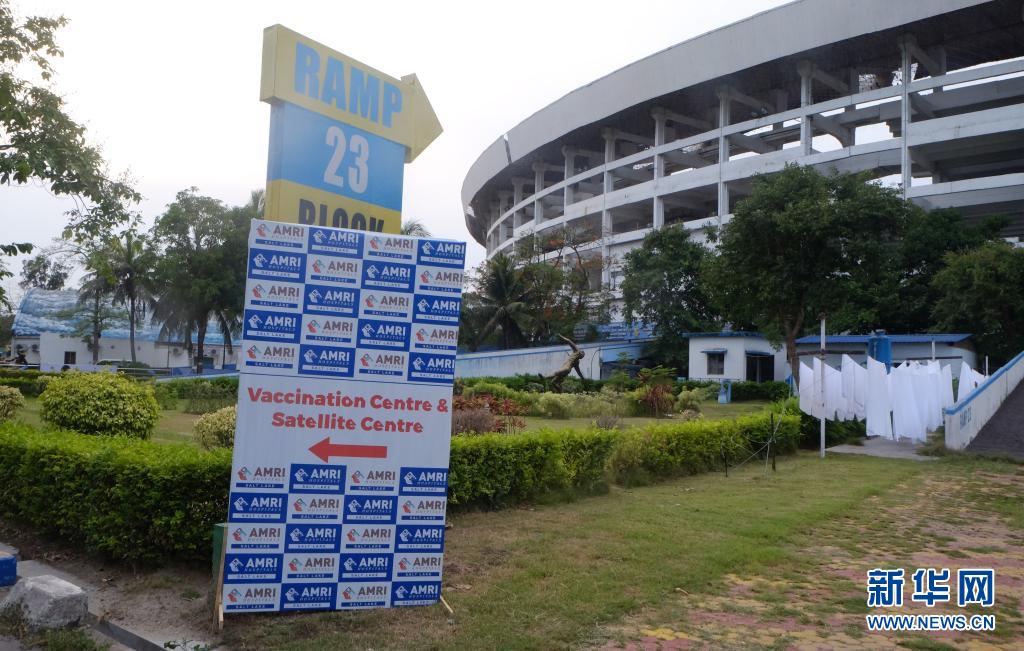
(122, 635)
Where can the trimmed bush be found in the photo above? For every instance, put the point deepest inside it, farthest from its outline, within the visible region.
(100, 403)
(29, 383)
(125, 498)
(216, 429)
(771, 391)
(555, 405)
(11, 401)
(165, 395)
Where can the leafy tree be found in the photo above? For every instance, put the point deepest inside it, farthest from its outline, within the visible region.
(39, 141)
(44, 272)
(504, 298)
(981, 292)
(414, 228)
(201, 270)
(663, 286)
(131, 265)
(92, 311)
(805, 245)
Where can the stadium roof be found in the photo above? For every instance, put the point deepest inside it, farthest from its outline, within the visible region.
(939, 338)
(54, 311)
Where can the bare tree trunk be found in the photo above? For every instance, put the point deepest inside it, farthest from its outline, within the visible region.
(131, 325)
(200, 339)
(96, 328)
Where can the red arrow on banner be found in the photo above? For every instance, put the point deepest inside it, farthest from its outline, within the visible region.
(325, 450)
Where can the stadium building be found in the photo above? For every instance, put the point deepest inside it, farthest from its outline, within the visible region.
(926, 94)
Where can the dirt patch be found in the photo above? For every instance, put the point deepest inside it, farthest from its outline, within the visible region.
(817, 599)
(166, 604)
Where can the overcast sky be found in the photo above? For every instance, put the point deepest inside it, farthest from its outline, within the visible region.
(169, 90)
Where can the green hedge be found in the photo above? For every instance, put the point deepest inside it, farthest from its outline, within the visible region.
(150, 502)
(126, 498)
(30, 385)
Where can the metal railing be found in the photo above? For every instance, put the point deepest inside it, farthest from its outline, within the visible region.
(966, 418)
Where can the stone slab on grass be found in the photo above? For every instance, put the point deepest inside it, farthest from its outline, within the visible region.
(47, 602)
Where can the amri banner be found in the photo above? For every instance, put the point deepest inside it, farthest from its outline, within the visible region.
(340, 471)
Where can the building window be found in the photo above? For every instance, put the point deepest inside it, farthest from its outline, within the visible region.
(70, 357)
(716, 363)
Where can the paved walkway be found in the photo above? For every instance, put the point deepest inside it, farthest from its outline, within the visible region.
(877, 446)
(1004, 432)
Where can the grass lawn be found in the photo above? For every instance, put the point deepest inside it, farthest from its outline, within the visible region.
(710, 410)
(174, 426)
(607, 569)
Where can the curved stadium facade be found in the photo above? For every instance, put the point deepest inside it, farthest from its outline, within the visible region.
(925, 94)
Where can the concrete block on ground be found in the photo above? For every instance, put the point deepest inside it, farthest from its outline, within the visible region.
(47, 602)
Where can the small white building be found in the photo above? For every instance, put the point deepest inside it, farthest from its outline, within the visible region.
(740, 355)
(44, 332)
(735, 355)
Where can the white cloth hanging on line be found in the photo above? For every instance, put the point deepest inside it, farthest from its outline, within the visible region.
(877, 403)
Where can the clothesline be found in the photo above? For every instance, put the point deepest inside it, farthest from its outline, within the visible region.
(904, 403)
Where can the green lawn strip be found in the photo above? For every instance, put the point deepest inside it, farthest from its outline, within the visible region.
(552, 577)
(710, 410)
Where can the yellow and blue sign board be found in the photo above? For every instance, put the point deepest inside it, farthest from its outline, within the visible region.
(340, 133)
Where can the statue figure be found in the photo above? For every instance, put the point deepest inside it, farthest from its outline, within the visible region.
(572, 362)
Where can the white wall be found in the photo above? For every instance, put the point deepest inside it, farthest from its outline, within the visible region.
(52, 347)
(965, 419)
(735, 357)
(541, 361)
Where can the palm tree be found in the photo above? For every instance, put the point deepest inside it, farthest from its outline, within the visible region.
(132, 262)
(92, 311)
(414, 228)
(504, 299)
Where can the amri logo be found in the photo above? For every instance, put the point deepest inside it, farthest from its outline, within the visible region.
(448, 281)
(437, 309)
(365, 566)
(441, 253)
(436, 338)
(324, 299)
(328, 329)
(261, 325)
(257, 507)
(275, 265)
(266, 356)
(251, 597)
(370, 509)
(389, 335)
(333, 270)
(312, 538)
(363, 595)
(260, 477)
(395, 248)
(291, 236)
(370, 480)
(256, 537)
(420, 509)
(308, 596)
(419, 565)
(415, 593)
(326, 361)
(311, 566)
(386, 304)
(310, 507)
(245, 568)
(426, 367)
(388, 276)
(311, 478)
(332, 241)
(423, 481)
(266, 293)
(369, 537)
(374, 363)
(419, 538)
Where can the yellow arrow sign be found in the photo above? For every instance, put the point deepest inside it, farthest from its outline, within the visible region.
(299, 70)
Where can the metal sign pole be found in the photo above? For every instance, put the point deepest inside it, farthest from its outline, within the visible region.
(821, 385)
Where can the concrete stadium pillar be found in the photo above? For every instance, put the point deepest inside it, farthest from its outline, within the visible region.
(517, 197)
(906, 73)
(806, 70)
(660, 128)
(608, 182)
(723, 151)
(538, 187)
(570, 171)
